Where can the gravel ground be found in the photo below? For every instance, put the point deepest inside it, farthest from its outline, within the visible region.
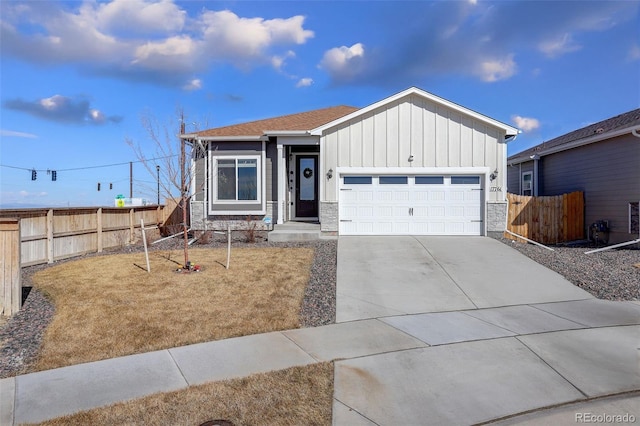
(21, 336)
(607, 275)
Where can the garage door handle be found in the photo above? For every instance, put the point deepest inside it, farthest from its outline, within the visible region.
(410, 211)
(345, 220)
(346, 189)
(476, 221)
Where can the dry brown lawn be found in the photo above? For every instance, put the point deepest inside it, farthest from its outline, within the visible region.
(295, 396)
(109, 306)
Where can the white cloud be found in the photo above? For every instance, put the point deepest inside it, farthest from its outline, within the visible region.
(227, 36)
(526, 124)
(304, 82)
(634, 53)
(62, 109)
(13, 133)
(96, 116)
(173, 53)
(136, 16)
(343, 62)
(497, 69)
(144, 40)
(278, 61)
(195, 84)
(558, 46)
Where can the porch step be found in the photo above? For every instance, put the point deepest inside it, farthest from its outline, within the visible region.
(294, 231)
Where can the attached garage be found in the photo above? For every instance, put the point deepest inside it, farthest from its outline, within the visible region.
(413, 164)
(411, 204)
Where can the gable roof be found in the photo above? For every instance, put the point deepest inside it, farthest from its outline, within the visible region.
(602, 130)
(509, 130)
(300, 122)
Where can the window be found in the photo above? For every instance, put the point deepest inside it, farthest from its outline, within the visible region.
(429, 180)
(465, 180)
(393, 180)
(357, 180)
(527, 184)
(237, 179)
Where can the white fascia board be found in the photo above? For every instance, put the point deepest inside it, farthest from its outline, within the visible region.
(575, 144)
(510, 130)
(232, 138)
(286, 132)
(298, 140)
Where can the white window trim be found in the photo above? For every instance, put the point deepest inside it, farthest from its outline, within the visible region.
(261, 185)
(522, 188)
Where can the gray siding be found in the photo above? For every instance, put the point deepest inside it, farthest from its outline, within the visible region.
(199, 177)
(609, 174)
(514, 173)
(271, 174)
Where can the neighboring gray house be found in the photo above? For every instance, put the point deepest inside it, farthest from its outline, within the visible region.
(412, 163)
(602, 160)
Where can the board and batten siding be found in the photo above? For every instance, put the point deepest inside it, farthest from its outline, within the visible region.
(609, 174)
(435, 135)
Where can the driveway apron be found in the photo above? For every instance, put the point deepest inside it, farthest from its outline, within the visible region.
(502, 334)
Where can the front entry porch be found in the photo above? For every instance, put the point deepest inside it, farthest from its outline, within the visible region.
(298, 181)
(296, 231)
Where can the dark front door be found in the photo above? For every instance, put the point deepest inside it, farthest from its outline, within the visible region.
(307, 186)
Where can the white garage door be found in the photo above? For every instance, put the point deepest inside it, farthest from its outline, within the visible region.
(411, 205)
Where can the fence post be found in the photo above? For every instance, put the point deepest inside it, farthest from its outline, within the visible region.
(132, 226)
(99, 230)
(50, 246)
(11, 288)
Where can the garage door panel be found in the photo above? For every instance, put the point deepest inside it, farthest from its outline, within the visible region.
(437, 208)
(364, 196)
(437, 195)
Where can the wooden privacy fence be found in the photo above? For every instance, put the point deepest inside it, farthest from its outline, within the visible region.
(547, 220)
(47, 235)
(11, 288)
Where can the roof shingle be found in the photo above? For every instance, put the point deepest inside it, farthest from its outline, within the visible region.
(622, 121)
(301, 121)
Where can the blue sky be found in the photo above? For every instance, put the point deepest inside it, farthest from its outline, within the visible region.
(76, 77)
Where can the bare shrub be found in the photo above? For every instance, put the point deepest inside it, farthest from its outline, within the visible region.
(205, 237)
(250, 230)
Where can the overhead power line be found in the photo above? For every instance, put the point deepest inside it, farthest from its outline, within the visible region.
(88, 167)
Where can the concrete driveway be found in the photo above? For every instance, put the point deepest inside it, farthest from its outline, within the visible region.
(384, 276)
(494, 334)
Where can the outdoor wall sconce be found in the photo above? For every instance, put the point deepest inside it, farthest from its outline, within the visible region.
(410, 158)
(329, 174)
(493, 175)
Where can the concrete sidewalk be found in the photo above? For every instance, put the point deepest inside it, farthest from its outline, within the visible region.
(475, 360)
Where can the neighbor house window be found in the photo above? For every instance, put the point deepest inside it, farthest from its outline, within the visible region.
(527, 184)
(237, 179)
